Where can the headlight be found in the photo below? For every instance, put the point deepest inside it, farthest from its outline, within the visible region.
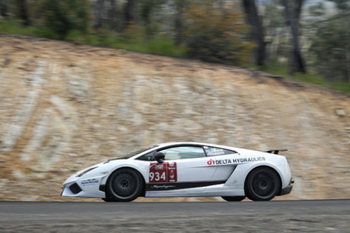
(86, 171)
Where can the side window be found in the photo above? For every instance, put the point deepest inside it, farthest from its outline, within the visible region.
(183, 152)
(214, 151)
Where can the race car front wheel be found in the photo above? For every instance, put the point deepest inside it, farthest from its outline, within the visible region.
(124, 185)
(262, 184)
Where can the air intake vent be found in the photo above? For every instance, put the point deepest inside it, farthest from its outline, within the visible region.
(75, 188)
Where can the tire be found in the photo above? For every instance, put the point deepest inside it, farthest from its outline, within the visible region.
(124, 185)
(233, 198)
(262, 184)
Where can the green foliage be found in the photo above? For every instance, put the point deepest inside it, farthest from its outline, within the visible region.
(13, 26)
(4, 9)
(342, 5)
(274, 15)
(146, 10)
(276, 34)
(317, 9)
(76, 36)
(61, 17)
(132, 40)
(217, 35)
(210, 30)
(163, 45)
(312, 77)
(331, 50)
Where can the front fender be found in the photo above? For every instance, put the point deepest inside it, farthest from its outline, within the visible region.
(140, 166)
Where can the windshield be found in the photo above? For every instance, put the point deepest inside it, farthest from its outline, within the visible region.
(139, 151)
(127, 156)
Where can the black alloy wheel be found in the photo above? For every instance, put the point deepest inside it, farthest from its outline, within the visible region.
(262, 184)
(124, 185)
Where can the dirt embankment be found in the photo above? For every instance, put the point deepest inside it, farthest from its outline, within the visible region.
(66, 106)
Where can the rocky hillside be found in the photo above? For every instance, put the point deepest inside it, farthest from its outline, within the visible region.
(65, 106)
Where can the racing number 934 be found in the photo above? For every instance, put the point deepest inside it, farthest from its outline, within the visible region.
(163, 173)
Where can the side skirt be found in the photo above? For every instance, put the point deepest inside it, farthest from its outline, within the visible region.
(177, 186)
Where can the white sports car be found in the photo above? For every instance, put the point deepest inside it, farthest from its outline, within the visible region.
(185, 169)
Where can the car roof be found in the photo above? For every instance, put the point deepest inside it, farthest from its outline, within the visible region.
(165, 144)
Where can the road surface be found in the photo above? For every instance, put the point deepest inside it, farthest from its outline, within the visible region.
(247, 216)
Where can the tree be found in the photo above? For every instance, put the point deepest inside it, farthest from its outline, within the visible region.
(4, 8)
(179, 24)
(147, 12)
(293, 11)
(22, 12)
(112, 16)
(342, 5)
(64, 16)
(129, 13)
(275, 31)
(223, 40)
(331, 45)
(257, 30)
(99, 12)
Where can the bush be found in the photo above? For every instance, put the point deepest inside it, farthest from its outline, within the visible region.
(330, 49)
(61, 17)
(217, 35)
(13, 26)
(164, 46)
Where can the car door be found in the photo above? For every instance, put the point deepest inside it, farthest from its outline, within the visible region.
(184, 167)
(220, 158)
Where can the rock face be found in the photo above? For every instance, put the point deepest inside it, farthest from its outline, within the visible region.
(64, 107)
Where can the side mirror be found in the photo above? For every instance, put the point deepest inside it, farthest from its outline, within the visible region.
(159, 157)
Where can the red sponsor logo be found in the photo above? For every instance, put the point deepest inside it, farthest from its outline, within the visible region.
(163, 173)
(211, 162)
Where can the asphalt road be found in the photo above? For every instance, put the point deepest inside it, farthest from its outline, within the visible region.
(273, 216)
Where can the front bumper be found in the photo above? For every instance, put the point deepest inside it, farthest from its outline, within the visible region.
(83, 186)
(72, 189)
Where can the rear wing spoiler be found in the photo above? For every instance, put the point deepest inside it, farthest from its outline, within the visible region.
(276, 151)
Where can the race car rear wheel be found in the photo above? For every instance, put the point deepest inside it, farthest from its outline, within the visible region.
(233, 198)
(124, 185)
(262, 184)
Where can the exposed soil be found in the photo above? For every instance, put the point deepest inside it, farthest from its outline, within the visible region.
(65, 106)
